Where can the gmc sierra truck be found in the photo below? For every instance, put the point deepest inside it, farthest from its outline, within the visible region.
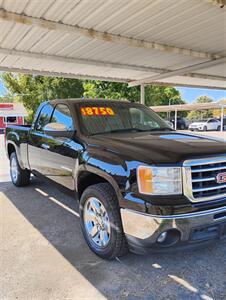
(141, 186)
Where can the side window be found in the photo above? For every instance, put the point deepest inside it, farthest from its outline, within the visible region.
(141, 120)
(44, 117)
(62, 114)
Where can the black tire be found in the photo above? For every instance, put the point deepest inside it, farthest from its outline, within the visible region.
(117, 245)
(22, 178)
(218, 128)
(204, 128)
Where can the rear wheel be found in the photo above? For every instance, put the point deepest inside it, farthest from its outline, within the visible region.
(219, 128)
(18, 176)
(101, 222)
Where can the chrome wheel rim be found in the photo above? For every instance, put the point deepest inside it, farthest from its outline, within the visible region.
(14, 169)
(97, 223)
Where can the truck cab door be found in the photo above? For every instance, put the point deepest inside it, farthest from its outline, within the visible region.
(54, 157)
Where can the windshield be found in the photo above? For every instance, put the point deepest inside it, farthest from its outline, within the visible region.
(103, 118)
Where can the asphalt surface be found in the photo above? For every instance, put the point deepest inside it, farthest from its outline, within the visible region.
(44, 256)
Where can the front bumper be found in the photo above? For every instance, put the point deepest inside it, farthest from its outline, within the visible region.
(143, 230)
(196, 128)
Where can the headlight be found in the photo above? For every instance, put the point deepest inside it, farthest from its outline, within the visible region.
(159, 180)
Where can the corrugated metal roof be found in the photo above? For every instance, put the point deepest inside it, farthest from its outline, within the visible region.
(118, 40)
(187, 107)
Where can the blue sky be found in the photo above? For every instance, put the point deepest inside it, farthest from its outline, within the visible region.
(2, 89)
(188, 94)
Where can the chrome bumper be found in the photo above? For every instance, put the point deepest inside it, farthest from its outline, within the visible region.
(149, 227)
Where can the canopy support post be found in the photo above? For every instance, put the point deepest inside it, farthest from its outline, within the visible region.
(175, 120)
(142, 94)
(222, 117)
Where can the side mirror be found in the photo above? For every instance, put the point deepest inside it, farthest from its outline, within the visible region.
(58, 130)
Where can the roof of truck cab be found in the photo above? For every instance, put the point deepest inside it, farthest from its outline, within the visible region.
(83, 100)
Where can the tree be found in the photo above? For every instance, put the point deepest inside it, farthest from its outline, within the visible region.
(154, 95)
(6, 99)
(201, 114)
(110, 90)
(32, 90)
(217, 112)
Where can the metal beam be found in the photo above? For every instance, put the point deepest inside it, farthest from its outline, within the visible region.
(88, 62)
(175, 83)
(101, 64)
(206, 76)
(103, 36)
(180, 71)
(220, 3)
(59, 74)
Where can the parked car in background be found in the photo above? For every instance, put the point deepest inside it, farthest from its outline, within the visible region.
(181, 123)
(210, 124)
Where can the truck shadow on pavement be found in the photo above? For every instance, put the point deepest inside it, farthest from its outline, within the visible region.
(198, 274)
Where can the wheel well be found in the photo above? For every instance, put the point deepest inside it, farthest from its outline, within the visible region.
(87, 179)
(10, 149)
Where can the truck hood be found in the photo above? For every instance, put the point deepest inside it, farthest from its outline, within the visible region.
(158, 148)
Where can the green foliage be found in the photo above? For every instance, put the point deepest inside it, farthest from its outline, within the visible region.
(110, 90)
(162, 95)
(201, 114)
(32, 90)
(154, 95)
(6, 99)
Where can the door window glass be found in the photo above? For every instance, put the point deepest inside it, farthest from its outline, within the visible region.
(62, 115)
(44, 117)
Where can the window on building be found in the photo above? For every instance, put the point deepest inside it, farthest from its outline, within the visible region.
(10, 120)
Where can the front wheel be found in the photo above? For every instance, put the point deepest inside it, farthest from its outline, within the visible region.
(19, 177)
(205, 128)
(101, 222)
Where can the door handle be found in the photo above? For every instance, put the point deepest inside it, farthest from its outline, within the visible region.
(45, 146)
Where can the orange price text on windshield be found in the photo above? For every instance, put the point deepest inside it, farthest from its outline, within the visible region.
(97, 111)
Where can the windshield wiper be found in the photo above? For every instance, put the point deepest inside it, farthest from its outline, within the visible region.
(133, 129)
(125, 130)
(161, 129)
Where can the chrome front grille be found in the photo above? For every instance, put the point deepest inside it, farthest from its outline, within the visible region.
(200, 183)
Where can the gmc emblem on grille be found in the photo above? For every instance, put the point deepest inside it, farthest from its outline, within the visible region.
(221, 177)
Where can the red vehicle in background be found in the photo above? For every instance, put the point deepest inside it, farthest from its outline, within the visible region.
(11, 114)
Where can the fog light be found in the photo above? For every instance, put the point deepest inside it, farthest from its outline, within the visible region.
(162, 237)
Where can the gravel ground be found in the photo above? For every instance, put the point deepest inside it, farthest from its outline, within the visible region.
(44, 256)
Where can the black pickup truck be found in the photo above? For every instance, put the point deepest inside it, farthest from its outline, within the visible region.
(140, 185)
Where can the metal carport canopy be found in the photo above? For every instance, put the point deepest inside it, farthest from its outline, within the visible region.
(191, 107)
(139, 42)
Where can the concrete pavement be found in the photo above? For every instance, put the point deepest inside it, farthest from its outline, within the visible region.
(44, 256)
